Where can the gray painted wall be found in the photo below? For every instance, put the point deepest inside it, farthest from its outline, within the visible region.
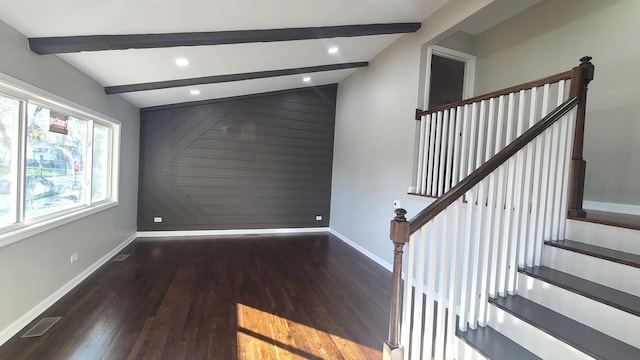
(460, 41)
(551, 37)
(34, 268)
(258, 163)
(374, 144)
(375, 129)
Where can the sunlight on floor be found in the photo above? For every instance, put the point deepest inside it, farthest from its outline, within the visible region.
(262, 335)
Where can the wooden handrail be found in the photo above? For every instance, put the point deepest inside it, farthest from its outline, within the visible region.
(488, 167)
(401, 229)
(566, 75)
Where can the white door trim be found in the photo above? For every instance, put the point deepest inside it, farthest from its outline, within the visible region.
(469, 70)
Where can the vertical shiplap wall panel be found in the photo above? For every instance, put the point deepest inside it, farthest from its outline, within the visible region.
(260, 162)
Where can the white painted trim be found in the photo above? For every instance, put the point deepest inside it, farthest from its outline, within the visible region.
(188, 233)
(362, 250)
(469, 70)
(611, 207)
(22, 231)
(11, 330)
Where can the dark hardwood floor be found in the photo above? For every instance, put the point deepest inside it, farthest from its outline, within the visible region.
(275, 297)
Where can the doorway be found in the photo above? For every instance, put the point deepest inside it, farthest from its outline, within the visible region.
(449, 76)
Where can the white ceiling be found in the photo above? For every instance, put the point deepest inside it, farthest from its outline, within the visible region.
(46, 18)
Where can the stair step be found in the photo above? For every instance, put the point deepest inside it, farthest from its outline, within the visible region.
(493, 345)
(594, 291)
(628, 221)
(620, 257)
(611, 237)
(579, 336)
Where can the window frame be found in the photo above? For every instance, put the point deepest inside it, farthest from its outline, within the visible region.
(26, 94)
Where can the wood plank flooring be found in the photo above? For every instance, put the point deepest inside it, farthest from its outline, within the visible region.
(276, 297)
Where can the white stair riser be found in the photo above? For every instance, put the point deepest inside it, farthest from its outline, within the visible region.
(608, 273)
(532, 338)
(466, 352)
(604, 318)
(611, 237)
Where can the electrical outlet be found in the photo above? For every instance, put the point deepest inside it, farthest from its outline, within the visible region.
(318, 217)
(74, 258)
(157, 219)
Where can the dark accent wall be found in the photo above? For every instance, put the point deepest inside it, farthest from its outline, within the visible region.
(259, 162)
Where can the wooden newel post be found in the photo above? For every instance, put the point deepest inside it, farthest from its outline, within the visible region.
(399, 235)
(580, 78)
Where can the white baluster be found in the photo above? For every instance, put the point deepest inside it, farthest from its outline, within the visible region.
(500, 257)
(543, 169)
(421, 173)
(571, 123)
(454, 278)
(527, 202)
(431, 258)
(452, 138)
(435, 191)
(519, 231)
(557, 171)
(510, 242)
(420, 289)
(408, 295)
(443, 152)
(432, 150)
(466, 137)
(457, 148)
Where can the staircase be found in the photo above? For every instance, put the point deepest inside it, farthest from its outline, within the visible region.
(505, 263)
(583, 301)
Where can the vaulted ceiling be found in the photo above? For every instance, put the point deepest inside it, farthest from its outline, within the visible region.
(233, 48)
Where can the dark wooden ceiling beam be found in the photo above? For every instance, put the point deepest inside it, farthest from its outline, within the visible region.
(229, 77)
(71, 44)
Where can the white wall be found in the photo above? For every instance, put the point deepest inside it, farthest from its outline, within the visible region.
(374, 136)
(551, 37)
(34, 268)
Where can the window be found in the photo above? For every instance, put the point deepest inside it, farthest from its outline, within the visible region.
(101, 170)
(54, 177)
(56, 161)
(9, 125)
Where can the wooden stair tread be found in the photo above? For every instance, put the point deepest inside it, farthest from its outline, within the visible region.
(579, 336)
(610, 218)
(493, 345)
(603, 294)
(597, 251)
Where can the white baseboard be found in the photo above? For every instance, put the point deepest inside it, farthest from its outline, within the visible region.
(362, 250)
(187, 233)
(612, 207)
(11, 330)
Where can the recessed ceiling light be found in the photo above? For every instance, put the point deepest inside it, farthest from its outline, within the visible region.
(306, 79)
(195, 92)
(182, 62)
(333, 50)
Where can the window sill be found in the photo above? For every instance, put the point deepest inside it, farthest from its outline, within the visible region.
(20, 232)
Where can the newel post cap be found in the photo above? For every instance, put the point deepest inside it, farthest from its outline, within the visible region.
(400, 227)
(587, 68)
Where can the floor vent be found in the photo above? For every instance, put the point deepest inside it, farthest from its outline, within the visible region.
(121, 257)
(41, 327)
